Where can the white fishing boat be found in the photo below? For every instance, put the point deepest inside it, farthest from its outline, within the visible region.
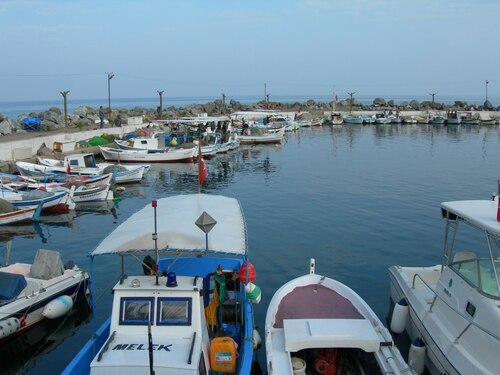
(45, 289)
(317, 325)
(171, 155)
(192, 310)
(451, 311)
(19, 216)
(335, 118)
(84, 193)
(453, 118)
(60, 201)
(262, 137)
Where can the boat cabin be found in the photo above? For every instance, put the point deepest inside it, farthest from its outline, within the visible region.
(80, 161)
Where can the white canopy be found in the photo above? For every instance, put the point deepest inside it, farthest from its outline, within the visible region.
(480, 213)
(176, 227)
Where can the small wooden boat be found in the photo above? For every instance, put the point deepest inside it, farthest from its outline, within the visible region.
(172, 155)
(317, 325)
(18, 216)
(262, 138)
(45, 289)
(353, 120)
(61, 201)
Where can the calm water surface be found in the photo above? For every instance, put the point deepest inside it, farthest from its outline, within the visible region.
(357, 198)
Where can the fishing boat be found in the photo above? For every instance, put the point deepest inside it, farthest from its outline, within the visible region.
(317, 325)
(97, 193)
(453, 118)
(61, 201)
(19, 216)
(251, 137)
(451, 311)
(45, 289)
(335, 118)
(171, 155)
(191, 310)
(437, 120)
(353, 120)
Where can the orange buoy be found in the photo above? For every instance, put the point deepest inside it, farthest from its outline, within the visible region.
(242, 274)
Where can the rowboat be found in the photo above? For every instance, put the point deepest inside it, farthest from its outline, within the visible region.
(262, 138)
(171, 155)
(45, 289)
(451, 311)
(191, 310)
(317, 325)
(61, 201)
(20, 216)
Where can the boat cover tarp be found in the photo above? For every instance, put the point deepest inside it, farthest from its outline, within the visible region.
(11, 285)
(47, 265)
(176, 217)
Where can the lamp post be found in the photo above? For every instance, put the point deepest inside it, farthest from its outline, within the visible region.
(267, 100)
(64, 95)
(110, 76)
(487, 89)
(160, 112)
(351, 94)
(265, 95)
(433, 95)
(223, 103)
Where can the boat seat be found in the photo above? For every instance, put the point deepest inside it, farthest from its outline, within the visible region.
(462, 256)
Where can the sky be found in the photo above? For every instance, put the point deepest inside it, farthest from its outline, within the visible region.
(187, 48)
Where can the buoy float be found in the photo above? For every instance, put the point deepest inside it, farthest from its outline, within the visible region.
(58, 307)
(399, 316)
(416, 356)
(253, 292)
(8, 327)
(256, 340)
(242, 274)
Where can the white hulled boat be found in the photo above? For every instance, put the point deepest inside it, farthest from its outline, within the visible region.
(453, 308)
(192, 310)
(317, 325)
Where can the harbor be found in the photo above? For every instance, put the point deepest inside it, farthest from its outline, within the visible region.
(370, 202)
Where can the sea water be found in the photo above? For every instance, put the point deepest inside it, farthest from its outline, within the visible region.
(357, 198)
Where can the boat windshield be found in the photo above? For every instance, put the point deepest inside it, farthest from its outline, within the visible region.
(480, 273)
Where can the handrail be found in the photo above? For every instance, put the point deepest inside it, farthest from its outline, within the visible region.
(471, 322)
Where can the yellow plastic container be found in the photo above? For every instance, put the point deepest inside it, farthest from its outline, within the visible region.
(223, 355)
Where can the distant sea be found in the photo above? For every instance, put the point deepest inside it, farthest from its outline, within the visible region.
(13, 109)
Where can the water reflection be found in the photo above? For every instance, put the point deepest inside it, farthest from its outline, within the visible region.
(25, 350)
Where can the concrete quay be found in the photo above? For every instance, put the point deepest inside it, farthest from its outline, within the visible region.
(23, 146)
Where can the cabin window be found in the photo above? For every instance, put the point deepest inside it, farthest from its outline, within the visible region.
(136, 311)
(174, 311)
(144, 142)
(488, 280)
(73, 163)
(89, 161)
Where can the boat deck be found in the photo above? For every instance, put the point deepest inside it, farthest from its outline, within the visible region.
(315, 302)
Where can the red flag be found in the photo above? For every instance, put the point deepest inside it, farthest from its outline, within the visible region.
(68, 169)
(202, 171)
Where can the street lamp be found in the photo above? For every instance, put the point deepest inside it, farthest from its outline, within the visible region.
(223, 102)
(64, 94)
(110, 76)
(487, 89)
(161, 103)
(351, 94)
(433, 95)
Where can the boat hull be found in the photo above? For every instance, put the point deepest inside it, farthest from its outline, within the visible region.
(143, 156)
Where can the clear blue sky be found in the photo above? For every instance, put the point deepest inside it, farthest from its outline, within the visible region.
(203, 48)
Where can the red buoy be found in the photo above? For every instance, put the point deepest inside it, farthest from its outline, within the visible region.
(242, 274)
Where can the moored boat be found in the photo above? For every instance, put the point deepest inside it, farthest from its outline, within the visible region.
(451, 311)
(45, 289)
(317, 325)
(252, 138)
(171, 155)
(192, 309)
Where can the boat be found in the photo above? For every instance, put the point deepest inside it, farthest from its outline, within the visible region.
(172, 155)
(335, 118)
(54, 202)
(83, 193)
(380, 118)
(409, 120)
(437, 120)
(422, 119)
(45, 289)
(252, 138)
(453, 118)
(317, 325)
(451, 311)
(197, 317)
(18, 216)
(353, 120)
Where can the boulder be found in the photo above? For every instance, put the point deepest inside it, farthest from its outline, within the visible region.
(460, 103)
(83, 111)
(488, 106)
(2, 117)
(391, 103)
(55, 110)
(44, 150)
(5, 127)
(379, 102)
(415, 104)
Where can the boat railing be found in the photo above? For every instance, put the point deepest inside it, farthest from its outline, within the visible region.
(465, 317)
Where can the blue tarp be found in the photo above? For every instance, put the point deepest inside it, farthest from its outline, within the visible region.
(32, 123)
(11, 285)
